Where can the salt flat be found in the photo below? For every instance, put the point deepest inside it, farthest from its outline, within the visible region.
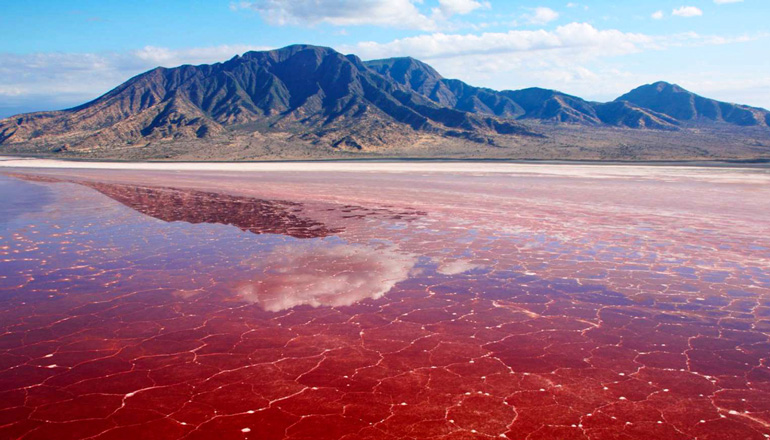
(577, 169)
(384, 300)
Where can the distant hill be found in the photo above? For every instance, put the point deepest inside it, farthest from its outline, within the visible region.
(678, 103)
(320, 100)
(657, 106)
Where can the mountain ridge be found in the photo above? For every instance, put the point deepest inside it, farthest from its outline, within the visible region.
(195, 101)
(676, 102)
(643, 110)
(323, 99)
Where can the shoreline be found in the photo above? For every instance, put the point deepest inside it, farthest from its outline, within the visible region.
(257, 165)
(665, 172)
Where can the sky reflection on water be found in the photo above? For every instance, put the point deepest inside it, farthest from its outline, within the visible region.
(136, 310)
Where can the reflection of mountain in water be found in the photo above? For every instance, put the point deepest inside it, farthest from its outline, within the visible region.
(247, 213)
(250, 214)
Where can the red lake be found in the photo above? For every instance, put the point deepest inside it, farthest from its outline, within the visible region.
(386, 301)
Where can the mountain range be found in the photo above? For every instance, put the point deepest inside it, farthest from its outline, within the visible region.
(310, 101)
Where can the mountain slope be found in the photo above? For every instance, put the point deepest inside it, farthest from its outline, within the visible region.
(625, 114)
(526, 104)
(678, 103)
(298, 88)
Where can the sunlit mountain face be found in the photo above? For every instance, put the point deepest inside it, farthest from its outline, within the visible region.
(304, 101)
(423, 301)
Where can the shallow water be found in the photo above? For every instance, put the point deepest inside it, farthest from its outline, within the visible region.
(179, 304)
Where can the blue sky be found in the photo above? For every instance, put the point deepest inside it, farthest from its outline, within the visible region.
(56, 54)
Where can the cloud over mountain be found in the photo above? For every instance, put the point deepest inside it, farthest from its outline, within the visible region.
(582, 37)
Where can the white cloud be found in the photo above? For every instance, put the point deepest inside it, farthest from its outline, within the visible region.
(695, 39)
(575, 37)
(403, 14)
(724, 2)
(456, 267)
(571, 42)
(317, 275)
(577, 5)
(451, 7)
(657, 15)
(389, 13)
(687, 11)
(542, 15)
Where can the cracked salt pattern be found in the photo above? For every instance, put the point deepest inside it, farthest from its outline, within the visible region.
(375, 305)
